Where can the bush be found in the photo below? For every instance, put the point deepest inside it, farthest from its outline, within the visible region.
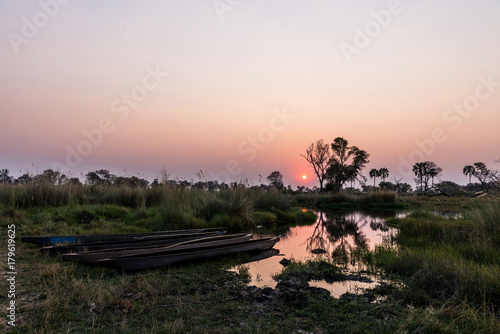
(444, 259)
(84, 216)
(273, 200)
(265, 219)
(220, 220)
(378, 197)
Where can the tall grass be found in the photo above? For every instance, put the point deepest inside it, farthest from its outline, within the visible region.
(486, 215)
(273, 200)
(344, 200)
(45, 194)
(444, 259)
(157, 208)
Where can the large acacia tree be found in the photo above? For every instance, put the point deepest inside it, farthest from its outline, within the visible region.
(318, 155)
(346, 163)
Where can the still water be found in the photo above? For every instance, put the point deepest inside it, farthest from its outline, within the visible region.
(334, 234)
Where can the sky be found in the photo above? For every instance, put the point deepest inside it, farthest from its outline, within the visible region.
(238, 89)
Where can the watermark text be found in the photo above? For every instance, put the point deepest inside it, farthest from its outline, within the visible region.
(11, 274)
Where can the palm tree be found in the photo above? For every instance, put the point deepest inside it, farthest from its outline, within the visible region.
(469, 171)
(425, 171)
(433, 172)
(383, 173)
(373, 174)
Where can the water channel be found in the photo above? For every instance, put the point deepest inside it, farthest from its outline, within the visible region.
(332, 234)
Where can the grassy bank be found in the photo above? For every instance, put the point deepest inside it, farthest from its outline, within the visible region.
(350, 201)
(450, 266)
(442, 203)
(53, 296)
(78, 209)
(447, 269)
(59, 297)
(445, 259)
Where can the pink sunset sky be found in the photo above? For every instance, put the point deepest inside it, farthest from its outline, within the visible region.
(241, 88)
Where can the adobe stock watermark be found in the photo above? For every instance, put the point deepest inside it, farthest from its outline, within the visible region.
(120, 106)
(371, 30)
(222, 7)
(11, 275)
(31, 26)
(454, 118)
(253, 144)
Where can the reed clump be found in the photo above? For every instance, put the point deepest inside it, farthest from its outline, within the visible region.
(348, 201)
(159, 207)
(443, 259)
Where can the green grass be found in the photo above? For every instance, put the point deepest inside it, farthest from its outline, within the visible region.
(447, 261)
(49, 206)
(446, 271)
(349, 201)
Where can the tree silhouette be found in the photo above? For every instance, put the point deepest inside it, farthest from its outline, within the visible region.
(383, 173)
(469, 171)
(50, 176)
(425, 171)
(5, 178)
(318, 155)
(418, 170)
(74, 181)
(401, 187)
(373, 175)
(434, 171)
(276, 179)
(482, 173)
(99, 177)
(24, 179)
(346, 163)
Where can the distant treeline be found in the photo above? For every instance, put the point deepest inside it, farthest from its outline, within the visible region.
(425, 173)
(103, 177)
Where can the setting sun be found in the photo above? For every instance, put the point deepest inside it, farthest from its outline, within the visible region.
(304, 177)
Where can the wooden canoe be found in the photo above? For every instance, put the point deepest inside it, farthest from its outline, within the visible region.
(73, 239)
(211, 241)
(132, 263)
(160, 240)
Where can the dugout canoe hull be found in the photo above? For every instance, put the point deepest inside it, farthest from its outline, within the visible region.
(149, 241)
(93, 257)
(134, 263)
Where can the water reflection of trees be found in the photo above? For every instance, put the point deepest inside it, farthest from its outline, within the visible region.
(376, 224)
(339, 232)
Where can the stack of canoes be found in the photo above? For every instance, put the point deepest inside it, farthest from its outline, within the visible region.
(143, 251)
(107, 238)
(119, 241)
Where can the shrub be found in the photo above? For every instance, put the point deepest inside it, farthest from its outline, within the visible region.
(84, 215)
(273, 200)
(265, 219)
